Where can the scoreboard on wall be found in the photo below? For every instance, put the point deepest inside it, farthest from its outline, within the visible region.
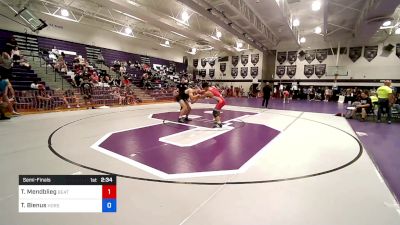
(67, 193)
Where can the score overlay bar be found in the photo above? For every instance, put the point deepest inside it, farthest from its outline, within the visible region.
(67, 193)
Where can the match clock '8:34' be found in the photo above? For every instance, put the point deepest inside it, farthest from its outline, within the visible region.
(106, 179)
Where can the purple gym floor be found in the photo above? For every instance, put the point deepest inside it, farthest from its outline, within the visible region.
(222, 152)
(382, 141)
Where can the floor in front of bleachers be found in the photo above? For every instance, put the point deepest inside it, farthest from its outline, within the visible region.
(299, 167)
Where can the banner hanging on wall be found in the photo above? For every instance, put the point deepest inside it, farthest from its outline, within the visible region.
(222, 67)
(281, 57)
(211, 72)
(244, 59)
(203, 72)
(310, 56)
(292, 57)
(234, 72)
(280, 71)
(212, 62)
(244, 71)
(370, 52)
(321, 55)
(398, 50)
(308, 70)
(255, 58)
(291, 71)
(195, 62)
(203, 62)
(235, 60)
(355, 53)
(254, 71)
(320, 70)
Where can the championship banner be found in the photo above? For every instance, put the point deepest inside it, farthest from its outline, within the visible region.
(203, 63)
(234, 72)
(244, 71)
(291, 71)
(222, 67)
(309, 70)
(310, 56)
(195, 73)
(212, 63)
(320, 70)
(292, 57)
(255, 58)
(370, 52)
(280, 71)
(203, 72)
(355, 53)
(195, 62)
(211, 72)
(235, 60)
(254, 71)
(321, 55)
(398, 50)
(244, 59)
(281, 57)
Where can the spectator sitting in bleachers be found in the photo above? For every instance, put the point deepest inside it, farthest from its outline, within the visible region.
(122, 70)
(70, 97)
(60, 65)
(117, 95)
(43, 98)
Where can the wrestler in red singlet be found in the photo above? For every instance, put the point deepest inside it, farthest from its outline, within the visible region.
(212, 92)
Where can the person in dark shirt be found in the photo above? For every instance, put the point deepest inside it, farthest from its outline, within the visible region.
(267, 93)
(87, 91)
(364, 107)
(182, 98)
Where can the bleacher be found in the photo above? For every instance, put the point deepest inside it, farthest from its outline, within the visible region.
(22, 78)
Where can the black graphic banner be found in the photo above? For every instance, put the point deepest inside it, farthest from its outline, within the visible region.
(244, 71)
(244, 59)
(211, 72)
(310, 56)
(203, 72)
(291, 71)
(370, 52)
(292, 57)
(321, 55)
(281, 57)
(222, 67)
(212, 62)
(203, 62)
(234, 72)
(254, 71)
(235, 60)
(320, 70)
(309, 70)
(195, 62)
(255, 58)
(398, 50)
(355, 53)
(280, 71)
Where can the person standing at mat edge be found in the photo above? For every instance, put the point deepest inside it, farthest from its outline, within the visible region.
(212, 92)
(182, 98)
(267, 94)
(385, 100)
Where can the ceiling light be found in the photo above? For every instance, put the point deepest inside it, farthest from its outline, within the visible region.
(318, 30)
(296, 22)
(316, 5)
(302, 40)
(397, 31)
(193, 51)
(185, 16)
(218, 34)
(64, 12)
(128, 30)
(239, 44)
(387, 23)
(166, 44)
